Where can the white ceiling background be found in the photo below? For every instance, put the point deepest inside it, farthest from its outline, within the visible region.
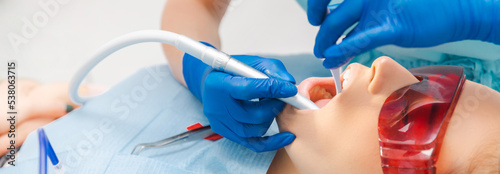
(79, 27)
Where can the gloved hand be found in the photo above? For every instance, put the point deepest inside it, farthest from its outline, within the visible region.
(406, 23)
(226, 102)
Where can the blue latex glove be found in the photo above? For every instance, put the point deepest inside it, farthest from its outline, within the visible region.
(226, 102)
(406, 23)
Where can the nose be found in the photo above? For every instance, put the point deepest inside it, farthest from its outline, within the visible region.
(389, 76)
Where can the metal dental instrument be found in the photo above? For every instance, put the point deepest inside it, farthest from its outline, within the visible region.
(191, 135)
(216, 59)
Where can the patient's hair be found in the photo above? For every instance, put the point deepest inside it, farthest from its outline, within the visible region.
(486, 160)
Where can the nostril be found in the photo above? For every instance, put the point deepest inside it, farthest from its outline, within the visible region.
(419, 78)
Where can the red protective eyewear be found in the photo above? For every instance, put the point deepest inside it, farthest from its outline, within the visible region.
(413, 119)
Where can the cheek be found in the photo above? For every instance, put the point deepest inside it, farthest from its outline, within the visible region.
(338, 137)
(353, 140)
(295, 121)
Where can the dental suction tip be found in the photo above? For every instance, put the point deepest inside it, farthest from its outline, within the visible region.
(336, 77)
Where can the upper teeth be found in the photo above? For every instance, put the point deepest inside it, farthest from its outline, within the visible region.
(346, 77)
(347, 74)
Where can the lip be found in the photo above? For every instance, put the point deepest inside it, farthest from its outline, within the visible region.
(321, 90)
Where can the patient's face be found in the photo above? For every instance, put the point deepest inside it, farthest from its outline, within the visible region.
(342, 136)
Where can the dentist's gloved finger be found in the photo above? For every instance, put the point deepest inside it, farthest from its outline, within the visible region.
(274, 68)
(243, 88)
(316, 11)
(263, 111)
(263, 144)
(361, 41)
(270, 143)
(271, 67)
(335, 24)
(207, 44)
(231, 126)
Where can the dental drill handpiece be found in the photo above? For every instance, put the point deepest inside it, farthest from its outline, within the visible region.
(210, 56)
(223, 62)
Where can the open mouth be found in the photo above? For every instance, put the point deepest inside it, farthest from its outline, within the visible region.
(320, 90)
